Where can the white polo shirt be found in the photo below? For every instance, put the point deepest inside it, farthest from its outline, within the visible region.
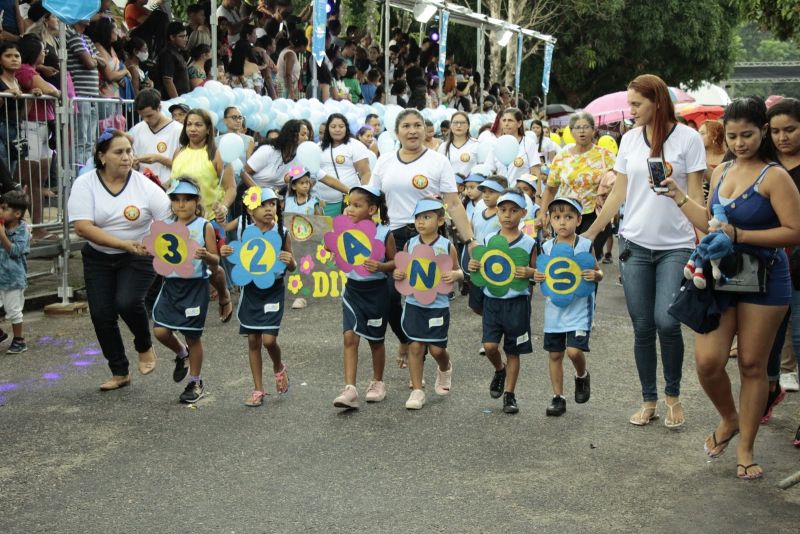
(163, 142)
(462, 158)
(344, 156)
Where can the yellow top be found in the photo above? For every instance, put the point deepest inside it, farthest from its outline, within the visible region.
(194, 162)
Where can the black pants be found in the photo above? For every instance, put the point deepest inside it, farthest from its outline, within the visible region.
(600, 241)
(401, 237)
(116, 285)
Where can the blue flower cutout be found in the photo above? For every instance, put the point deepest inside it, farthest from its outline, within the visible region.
(562, 269)
(255, 258)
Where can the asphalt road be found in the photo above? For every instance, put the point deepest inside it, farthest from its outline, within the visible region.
(135, 460)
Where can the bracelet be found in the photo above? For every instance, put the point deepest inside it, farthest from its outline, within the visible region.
(684, 201)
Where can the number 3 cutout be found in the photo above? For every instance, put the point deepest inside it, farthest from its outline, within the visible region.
(172, 248)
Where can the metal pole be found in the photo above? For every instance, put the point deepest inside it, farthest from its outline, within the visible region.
(386, 39)
(65, 171)
(479, 61)
(214, 22)
(314, 66)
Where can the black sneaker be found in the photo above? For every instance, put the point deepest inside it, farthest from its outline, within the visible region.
(582, 389)
(17, 346)
(498, 384)
(194, 391)
(181, 368)
(607, 258)
(558, 406)
(509, 403)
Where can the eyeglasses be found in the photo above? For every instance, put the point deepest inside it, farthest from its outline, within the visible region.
(458, 123)
(235, 117)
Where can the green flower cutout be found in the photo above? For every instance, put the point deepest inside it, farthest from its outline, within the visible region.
(498, 266)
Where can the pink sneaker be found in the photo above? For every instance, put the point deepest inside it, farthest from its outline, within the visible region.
(376, 391)
(416, 400)
(443, 380)
(348, 399)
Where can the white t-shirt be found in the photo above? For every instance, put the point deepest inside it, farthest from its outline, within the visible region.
(233, 17)
(404, 184)
(461, 159)
(346, 156)
(548, 146)
(268, 166)
(655, 221)
(126, 215)
(487, 135)
(527, 156)
(164, 142)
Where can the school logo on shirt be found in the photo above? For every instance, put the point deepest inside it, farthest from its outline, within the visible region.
(668, 168)
(420, 181)
(161, 147)
(465, 157)
(518, 161)
(131, 212)
(340, 159)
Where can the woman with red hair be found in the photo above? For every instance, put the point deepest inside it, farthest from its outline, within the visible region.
(713, 136)
(656, 238)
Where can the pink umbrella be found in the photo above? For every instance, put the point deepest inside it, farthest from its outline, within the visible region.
(614, 107)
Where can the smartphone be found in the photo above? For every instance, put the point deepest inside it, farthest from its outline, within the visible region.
(658, 173)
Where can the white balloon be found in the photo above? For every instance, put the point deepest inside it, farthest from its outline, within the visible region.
(309, 155)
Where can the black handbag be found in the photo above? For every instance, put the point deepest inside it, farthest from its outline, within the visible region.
(744, 272)
(696, 308)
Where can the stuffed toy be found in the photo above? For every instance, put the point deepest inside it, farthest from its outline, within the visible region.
(712, 248)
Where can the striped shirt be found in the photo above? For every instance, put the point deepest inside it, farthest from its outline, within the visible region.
(86, 81)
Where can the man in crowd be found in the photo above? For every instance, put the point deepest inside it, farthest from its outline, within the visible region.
(82, 63)
(172, 69)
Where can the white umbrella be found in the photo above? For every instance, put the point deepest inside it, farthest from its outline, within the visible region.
(710, 95)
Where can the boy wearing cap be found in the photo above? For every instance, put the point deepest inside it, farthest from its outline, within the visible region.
(473, 198)
(567, 329)
(508, 317)
(485, 223)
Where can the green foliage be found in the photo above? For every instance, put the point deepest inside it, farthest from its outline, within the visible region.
(780, 17)
(756, 45)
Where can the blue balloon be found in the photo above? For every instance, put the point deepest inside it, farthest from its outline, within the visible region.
(385, 143)
(309, 155)
(231, 147)
(202, 102)
(506, 149)
(484, 150)
(238, 166)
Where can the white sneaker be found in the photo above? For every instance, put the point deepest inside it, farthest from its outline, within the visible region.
(789, 381)
(416, 400)
(348, 399)
(376, 391)
(443, 380)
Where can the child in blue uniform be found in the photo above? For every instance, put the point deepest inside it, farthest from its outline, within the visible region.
(365, 301)
(298, 194)
(484, 222)
(182, 303)
(427, 325)
(473, 195)
(261, 310)
(568, 328)
(508, 317)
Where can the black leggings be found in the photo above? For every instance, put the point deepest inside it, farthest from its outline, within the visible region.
(599, 242)
(116, 286)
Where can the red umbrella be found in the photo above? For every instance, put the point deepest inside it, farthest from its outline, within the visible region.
(699, 114)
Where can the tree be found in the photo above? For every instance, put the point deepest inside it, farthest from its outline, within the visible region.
(780, 17)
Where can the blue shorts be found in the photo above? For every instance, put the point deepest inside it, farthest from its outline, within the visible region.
(365, 308)
(426, 325)
(476, 298)
(261, 310)
(508, 320)
(182, 305)
(559, 341)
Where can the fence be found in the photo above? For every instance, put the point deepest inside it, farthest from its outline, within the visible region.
(43, 146)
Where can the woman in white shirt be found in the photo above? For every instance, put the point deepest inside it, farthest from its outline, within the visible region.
(344, 157)
(527, 160)
(460, 148)
(656, 238)
(112, 208)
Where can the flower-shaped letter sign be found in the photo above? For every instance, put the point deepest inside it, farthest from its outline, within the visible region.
(255, 258)
(353, 243)
(172, 248)
(498, 266)
(424, 272)
(562, 269)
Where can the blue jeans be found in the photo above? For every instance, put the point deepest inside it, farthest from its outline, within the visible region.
(85, 131)
(651, 278)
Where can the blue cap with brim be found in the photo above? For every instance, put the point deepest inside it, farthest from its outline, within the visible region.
(297, 172)
(478, 178)
(268, 194)
(428, 204)
(516, 198)
(181, 187)
(566, 200)
(528, 179)
(491, 184)
(371, 189)
(459, 179)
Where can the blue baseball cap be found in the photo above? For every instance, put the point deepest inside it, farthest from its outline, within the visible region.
(428, 204)
(514, 197)
(268, 194)
(371, 189)
(474, 178)
(528, 179)
(182, 187)
(459, 179)
(491, 184)
(297, 172)
(567, 200)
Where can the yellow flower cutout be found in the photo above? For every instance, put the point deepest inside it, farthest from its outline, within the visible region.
(295, 284)
(323, 254)
(252, 197)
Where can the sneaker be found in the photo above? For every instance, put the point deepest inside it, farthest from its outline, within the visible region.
(181, 368)
(774, 399)
(558, 406)
(299, 303)
(443, 380)
(498, 384)
(509, 403)
(17, 346)
(348, 399)
(789, 382)
(582, 389)
(416, 400)
(452, 295)
(482, 351)
(376, 391)
(194, 392)
(607, 258)
(3, 336)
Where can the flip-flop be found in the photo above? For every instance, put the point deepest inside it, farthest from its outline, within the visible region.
(638, 418)
(746, 475)
(222, 305)
(724, 444)
(670, 417)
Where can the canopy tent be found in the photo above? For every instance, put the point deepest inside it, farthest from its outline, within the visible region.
(710, 95)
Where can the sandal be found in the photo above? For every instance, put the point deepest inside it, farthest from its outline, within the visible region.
(256, 399)
(716, 444)
(669, 420)
(282, 380)
(747, 476)
(642, 418)
(402, 360)
(225, 317)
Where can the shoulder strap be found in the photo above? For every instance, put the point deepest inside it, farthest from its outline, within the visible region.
(335, 168)
(763, 173)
